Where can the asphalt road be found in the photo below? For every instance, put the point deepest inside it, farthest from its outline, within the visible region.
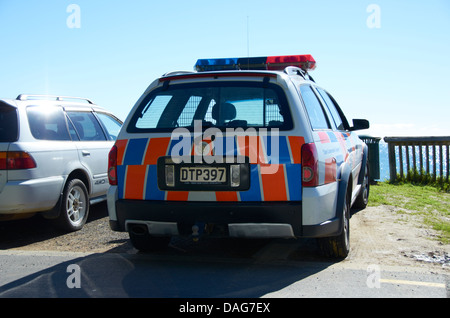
(213, 269)
(65, 275)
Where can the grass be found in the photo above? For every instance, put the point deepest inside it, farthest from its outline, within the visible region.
(425, 179)
(429, 202)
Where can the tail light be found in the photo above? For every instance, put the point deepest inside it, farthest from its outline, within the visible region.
(310, 165)
(16, 160)
(112, 166)
(2, 160)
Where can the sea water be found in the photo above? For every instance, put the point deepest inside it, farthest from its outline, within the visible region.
(384, 160)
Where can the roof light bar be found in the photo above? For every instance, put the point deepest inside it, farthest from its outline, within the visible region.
(305, 62)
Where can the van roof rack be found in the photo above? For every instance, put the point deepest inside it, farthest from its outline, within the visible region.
(173, 73)
(58, 98)
(293, 70)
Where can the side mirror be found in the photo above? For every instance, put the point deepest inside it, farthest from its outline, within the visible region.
(359, 124)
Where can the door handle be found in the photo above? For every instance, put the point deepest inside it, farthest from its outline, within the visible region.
(85, 153)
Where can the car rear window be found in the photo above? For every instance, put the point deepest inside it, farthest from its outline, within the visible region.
(220, 105)
(47, 123)
(8, 123)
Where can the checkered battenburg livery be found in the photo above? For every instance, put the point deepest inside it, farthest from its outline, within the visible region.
(137, 166)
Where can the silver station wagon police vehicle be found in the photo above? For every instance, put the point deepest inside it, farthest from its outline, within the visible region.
(241, 147)
(54, 157)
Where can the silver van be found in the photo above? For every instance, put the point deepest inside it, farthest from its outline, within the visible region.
(54, 157)
(242, 147)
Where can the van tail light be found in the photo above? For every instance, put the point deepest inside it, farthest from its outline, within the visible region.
(310, 165)
(112, 166)
(16, 160)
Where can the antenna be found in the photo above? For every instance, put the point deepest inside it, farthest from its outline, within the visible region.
(248, 36)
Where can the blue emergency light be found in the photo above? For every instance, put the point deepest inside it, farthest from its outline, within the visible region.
(305, 62)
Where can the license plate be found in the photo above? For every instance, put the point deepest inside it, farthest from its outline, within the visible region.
(203, 174)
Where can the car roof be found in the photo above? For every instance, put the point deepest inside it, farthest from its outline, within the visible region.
(288, 72)
(78, 103)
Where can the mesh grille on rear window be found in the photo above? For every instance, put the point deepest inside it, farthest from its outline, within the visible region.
(214, 104)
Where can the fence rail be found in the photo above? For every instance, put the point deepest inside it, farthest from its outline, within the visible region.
(422, 154)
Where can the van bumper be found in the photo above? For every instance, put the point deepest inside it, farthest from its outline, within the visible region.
(239, 219)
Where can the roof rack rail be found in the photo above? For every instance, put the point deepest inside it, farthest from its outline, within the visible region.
(173, 73)
(58, 98)
(294, 70)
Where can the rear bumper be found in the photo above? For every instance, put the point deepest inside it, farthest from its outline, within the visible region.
(238, 219)
(29, 196)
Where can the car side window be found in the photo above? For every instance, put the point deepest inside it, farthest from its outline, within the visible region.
(47, 123)
(8, 124)
(110, 124)
(86, 126)
(332, 108)
(72, 131)
(314, 108)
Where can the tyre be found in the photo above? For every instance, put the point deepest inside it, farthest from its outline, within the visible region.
(74, 206)
(339, 246)
(363, 197)
(144, 242)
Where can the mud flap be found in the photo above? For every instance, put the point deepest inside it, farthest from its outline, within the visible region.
(363, 164)
(342, 191)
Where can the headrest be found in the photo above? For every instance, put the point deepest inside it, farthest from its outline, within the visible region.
(225, 111)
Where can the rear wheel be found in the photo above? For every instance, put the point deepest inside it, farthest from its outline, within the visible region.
(339, 246)
(74, 206)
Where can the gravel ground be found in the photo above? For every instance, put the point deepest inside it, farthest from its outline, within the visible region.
(378, 236)
(37, 233)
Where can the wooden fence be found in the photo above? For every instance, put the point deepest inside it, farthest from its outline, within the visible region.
(422, 154)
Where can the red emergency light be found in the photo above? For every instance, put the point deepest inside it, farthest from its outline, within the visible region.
(305, 62)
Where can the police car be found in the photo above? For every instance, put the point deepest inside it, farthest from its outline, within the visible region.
(241, 147)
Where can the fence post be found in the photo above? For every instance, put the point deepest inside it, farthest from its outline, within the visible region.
(392, 163)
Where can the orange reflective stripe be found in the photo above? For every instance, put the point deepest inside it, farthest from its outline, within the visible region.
(177, 195)
(296, 143)
(121, 146)
(248, 146)
(324, 138)
(330, 170)
(274, 185)
(157, 147)
(341, 140)
(226, 196)
(135, 181)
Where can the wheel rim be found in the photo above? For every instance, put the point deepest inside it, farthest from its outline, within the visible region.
(76, 205)
(366, 186)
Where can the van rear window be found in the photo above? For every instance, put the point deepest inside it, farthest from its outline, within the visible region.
(220, 105)
(8, 124)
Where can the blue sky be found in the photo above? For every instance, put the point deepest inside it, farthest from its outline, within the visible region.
(396, 75)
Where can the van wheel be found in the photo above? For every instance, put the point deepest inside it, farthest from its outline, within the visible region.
(74, 206)
(363, 197)
(338, 246)
(144, 242)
